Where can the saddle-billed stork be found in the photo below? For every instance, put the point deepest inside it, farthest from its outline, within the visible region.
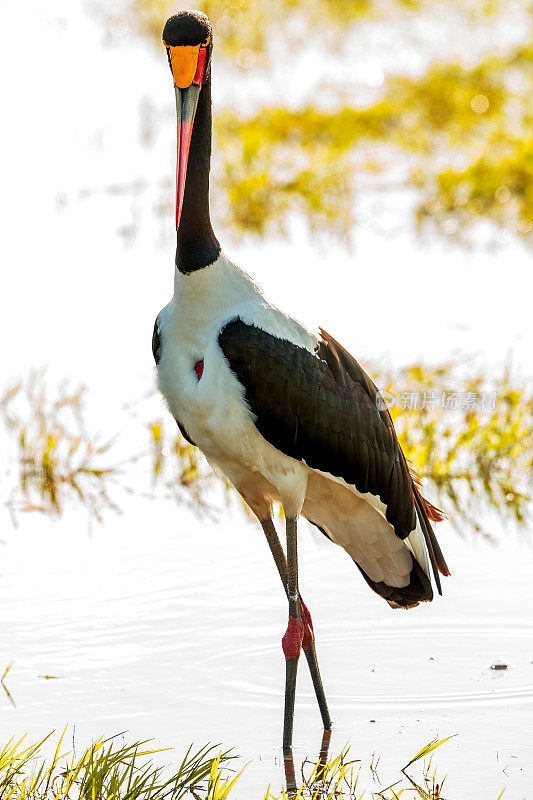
(285, 415)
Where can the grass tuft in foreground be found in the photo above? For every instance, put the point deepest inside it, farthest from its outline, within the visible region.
(112, 770)
(341, 778)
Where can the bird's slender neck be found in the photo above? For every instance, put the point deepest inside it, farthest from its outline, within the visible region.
(197, 245)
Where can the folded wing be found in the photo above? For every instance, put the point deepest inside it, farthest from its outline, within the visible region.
(322, 408)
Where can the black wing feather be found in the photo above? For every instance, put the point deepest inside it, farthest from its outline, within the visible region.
(324, 409)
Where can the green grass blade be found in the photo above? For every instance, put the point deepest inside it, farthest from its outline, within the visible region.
(428, 748)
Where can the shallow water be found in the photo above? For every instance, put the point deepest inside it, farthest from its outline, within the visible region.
(171, 630)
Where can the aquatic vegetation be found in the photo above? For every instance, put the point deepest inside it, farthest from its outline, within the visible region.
(241, 25)
(317, 161)
(58, 463)
(469, 439)
(179, 468)
(455, 138)
(4, 686)
(110, 769)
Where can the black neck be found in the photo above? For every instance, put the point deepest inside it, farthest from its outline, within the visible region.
(197, 245)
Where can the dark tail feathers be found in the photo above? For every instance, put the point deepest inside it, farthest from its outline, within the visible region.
(417, 591)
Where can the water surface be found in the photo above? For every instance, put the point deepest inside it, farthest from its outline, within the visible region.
(169, 627)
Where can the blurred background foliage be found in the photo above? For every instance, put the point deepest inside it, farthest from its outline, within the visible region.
(451, 138)
(254, 23)
(455, 137)
(52, 460)
(470, 441)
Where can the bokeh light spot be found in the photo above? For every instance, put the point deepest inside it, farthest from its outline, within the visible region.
(226, 25)
(451, 226)
(117, 26)
(245, 58)
(502, 195)
(479, 103)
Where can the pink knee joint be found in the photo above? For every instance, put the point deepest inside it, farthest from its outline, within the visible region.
(293, 638)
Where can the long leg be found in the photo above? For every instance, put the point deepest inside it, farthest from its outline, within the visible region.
(293, 638)
(308, 641)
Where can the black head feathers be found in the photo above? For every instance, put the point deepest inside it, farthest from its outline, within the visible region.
(187, 28)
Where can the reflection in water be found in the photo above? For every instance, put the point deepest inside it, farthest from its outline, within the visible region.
(4, 687)
(324, 750)
(145, 629)
(290, 775)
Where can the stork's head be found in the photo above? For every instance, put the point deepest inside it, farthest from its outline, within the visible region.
(188, 41)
